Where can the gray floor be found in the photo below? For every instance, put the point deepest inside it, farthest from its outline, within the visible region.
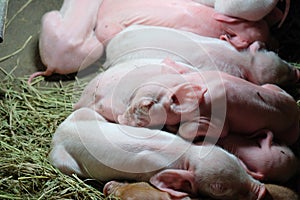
(23, 24)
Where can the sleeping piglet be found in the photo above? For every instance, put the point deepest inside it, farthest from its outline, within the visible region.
(109, 92)
(212, 103)
(256, 65)
(68, 40)
(188, 15)
(87, 145)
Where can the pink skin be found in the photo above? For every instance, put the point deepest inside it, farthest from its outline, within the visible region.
(68, 37)
(67, 40)
(263, 159)
(87, 145)
(170, 100)
(252, 10)
(204, 53)
(108, 93)
(182, 15)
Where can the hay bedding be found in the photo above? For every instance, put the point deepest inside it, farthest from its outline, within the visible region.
(29, 117)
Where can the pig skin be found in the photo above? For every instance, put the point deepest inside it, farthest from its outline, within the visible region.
(67, 42)
(182, 15)
(263, 157)
(108, 92)
(256, 65)
(87, 145)
(68, 37)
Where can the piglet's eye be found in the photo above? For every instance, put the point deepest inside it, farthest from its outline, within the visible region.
(282, 152)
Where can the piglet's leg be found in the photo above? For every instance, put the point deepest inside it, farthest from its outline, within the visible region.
(201, 128)
(67, 41)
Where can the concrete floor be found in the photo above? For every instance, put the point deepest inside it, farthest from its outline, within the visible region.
(23, 23)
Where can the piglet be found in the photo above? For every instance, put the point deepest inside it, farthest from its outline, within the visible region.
(211, 104)
(89, 146)
(188, 15)
(67, 41)
(108, 92)
(256, 65)
(263, 157)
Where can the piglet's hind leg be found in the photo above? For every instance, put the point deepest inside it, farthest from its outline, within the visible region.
(61, 159)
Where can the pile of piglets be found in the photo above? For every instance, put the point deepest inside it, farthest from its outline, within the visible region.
(190, 101)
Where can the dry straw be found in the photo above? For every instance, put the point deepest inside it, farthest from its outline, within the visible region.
(29, 116)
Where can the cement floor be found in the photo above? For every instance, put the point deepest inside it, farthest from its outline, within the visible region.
(23, 24)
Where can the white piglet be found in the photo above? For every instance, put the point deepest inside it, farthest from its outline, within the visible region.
(87, 145)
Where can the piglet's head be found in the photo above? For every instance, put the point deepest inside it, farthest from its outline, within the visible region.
(220, 178)
(241, 33)
(155, 104)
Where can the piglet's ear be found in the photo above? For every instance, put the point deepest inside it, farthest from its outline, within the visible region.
(186, 97)
(257, 46)
(177, 183)
(235, 41)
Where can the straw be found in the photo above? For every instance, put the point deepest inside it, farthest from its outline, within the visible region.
(29, 116)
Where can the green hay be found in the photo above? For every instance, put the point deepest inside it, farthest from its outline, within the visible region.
(29, 116)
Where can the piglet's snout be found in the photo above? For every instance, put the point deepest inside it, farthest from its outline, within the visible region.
(144, 116)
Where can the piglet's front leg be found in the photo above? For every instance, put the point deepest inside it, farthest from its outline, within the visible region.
(202, 127)
(67, 40)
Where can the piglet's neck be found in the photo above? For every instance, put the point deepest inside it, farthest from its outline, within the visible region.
(172, 151)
